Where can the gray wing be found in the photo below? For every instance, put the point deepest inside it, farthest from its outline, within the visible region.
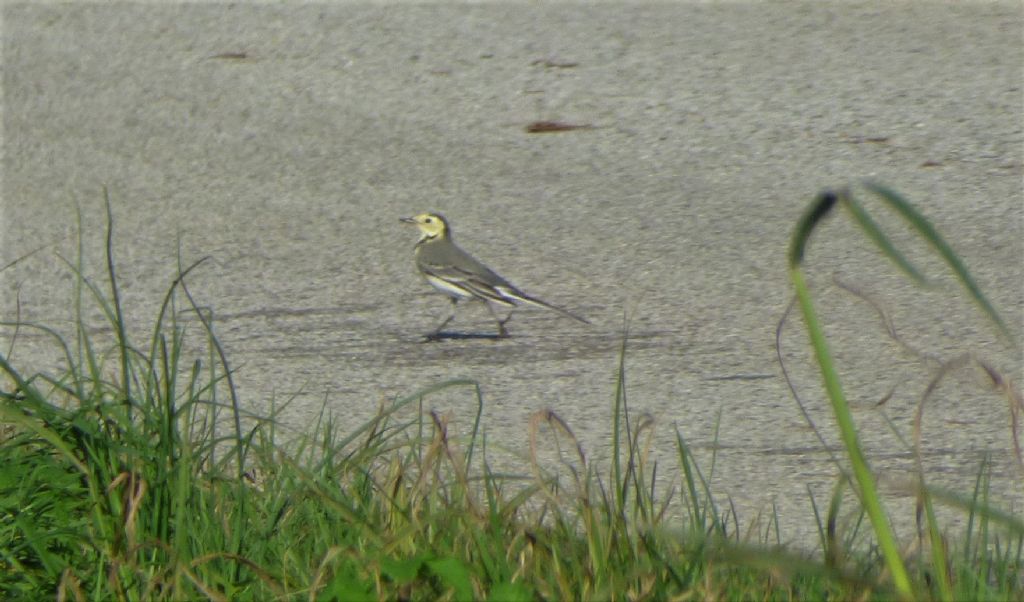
(450, 263)
(458, 268)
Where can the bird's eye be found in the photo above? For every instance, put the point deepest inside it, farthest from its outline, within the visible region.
(429, 220)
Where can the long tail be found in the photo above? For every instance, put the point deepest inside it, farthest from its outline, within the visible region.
(517, 295)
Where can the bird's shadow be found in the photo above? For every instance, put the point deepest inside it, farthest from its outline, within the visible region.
(461, 336)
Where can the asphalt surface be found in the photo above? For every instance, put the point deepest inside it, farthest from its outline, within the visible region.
(284, 142)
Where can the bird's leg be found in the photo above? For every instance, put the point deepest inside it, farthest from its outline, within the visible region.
(437, 331)
(443, 324)
(502, 331)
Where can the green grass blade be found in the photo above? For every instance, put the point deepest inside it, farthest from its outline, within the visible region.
(122, 337)
(979, 509)
(940, 564)
(848, 431)
(928, 232)
(476, 424)
(875, 233)
(820, 208)
(618, 409)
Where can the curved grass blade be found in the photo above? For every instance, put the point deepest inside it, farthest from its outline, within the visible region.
(875, 233)
(1013, 523)
(924, 227)
(122, 336)
(808, 221)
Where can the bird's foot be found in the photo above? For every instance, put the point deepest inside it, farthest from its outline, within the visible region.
(502, 331)
(434, 337)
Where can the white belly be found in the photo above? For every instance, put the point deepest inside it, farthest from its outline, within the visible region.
(448, 288)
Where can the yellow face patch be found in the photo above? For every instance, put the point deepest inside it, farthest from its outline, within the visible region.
(431, 225)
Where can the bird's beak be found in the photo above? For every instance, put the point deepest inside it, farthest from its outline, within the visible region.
(407, 220)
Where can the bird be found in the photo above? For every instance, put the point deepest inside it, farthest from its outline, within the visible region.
(459, 275)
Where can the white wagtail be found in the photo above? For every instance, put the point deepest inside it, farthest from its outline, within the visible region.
(459, 275)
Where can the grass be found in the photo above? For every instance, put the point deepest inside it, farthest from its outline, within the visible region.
(135, 474)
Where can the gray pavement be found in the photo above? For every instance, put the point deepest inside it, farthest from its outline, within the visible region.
(285, 141)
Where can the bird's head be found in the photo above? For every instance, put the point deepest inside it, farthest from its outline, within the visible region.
(432, 225)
